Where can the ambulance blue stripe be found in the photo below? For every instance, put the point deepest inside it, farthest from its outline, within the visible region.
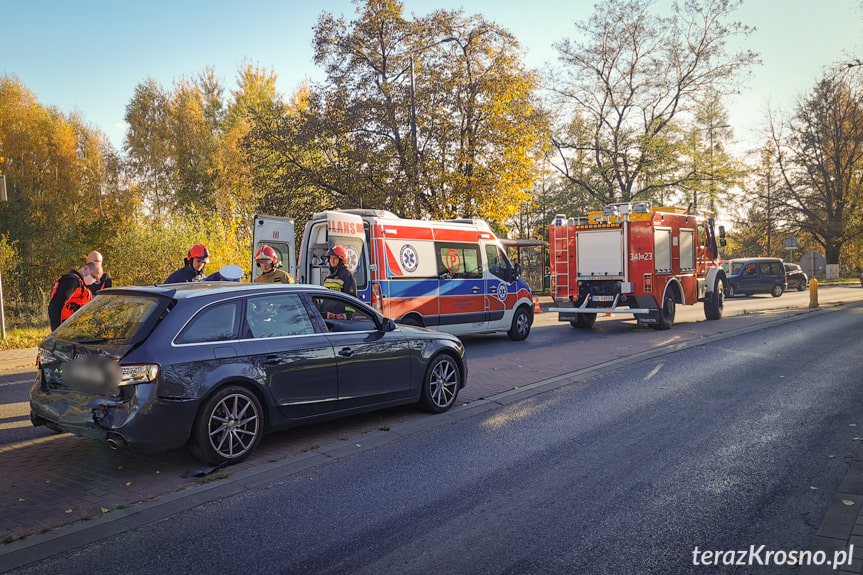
(413, 288)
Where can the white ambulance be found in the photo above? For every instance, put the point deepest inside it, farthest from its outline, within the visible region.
(452, 276)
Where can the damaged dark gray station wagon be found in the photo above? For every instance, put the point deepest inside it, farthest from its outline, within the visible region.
(218, 365)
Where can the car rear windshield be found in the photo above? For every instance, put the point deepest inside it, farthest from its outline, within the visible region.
(111, 319)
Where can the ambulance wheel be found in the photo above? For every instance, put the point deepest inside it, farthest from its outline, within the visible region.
(714, 303)
(666, 314)
(520, 324)
(584, 321)
(411, 321)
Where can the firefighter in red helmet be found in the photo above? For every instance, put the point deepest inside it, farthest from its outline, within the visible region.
(340, 278)
(193, 270)
(268, 260)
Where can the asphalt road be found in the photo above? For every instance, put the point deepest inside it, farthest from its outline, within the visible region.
(740, 441)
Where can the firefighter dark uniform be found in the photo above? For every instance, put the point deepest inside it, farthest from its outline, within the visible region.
(340, 279)
(188, 273)
(69, 294)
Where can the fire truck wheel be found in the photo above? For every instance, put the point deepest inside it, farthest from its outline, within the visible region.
(584, 321)
(520, 325)
(713, 304)
(666, 314)
(777, 290)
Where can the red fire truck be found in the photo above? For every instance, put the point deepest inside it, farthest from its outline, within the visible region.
(634, 259)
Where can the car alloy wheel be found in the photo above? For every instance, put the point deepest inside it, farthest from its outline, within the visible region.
(441, 384)
(229, 426)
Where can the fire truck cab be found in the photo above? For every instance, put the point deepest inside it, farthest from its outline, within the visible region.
(635, 259)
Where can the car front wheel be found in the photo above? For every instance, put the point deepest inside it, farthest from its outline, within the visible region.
(441, 384)
(229, 426)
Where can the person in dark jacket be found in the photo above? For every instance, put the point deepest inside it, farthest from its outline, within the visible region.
(70, 293)
(103, 279)
(193, 270)
(340, 278)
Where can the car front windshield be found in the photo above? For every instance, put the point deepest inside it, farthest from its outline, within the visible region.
(112, 319)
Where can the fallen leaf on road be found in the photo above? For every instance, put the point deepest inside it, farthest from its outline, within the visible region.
(68, 511)
(105, 510)
(21, 500)
(119, 468)
(128, 483)
(813, 488)
(847, 502)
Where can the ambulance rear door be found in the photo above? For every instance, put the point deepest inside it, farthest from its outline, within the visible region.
(278, 233)
(336, 228)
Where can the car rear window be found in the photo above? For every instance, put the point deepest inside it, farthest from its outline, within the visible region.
(113, 319)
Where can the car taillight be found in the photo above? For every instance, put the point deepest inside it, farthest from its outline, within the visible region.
(135, 374)
(377, 299)
(44, 357)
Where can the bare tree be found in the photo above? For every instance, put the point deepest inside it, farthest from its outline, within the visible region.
(629, 87)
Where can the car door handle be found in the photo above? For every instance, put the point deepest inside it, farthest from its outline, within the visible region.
(346, 352)
(475, 289)
(272, 360)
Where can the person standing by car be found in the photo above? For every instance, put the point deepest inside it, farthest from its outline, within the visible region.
(267, 260)
(70, 293)
(193, 270)
(103, 279)
(340, 277)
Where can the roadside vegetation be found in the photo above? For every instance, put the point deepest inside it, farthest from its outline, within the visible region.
(431, 116)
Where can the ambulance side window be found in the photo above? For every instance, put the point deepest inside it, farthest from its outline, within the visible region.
(459, 261)
(497, 263)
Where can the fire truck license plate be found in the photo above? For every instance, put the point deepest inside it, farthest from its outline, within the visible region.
(603, 298)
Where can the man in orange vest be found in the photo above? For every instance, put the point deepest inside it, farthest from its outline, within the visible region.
(70, 293)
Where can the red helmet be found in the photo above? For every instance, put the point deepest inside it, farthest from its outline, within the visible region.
(266, 253)
(199, 251)
(339, 252)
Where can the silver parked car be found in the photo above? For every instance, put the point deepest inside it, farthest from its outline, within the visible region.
(216, 366)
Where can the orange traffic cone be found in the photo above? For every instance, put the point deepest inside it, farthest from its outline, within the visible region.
(536, 305)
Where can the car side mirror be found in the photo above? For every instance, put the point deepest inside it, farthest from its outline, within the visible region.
(517, 270)
(389, 324)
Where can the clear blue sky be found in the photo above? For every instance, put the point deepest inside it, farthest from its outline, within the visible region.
(89, 55)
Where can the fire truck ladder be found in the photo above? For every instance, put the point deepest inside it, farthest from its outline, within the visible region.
(561, 258)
